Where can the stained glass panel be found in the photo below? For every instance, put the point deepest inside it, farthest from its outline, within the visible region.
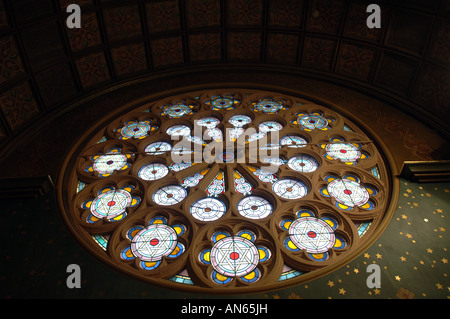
(260, 215)
(254, 207)
(169, 195)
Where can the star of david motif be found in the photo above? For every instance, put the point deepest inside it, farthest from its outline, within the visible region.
(109, 163)
(348, 192)
(154, 242)
(312, 234)
(234, 256)
(136, 130)
(111, 204)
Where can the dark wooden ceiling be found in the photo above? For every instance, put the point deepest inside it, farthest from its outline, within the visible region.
(44, 66)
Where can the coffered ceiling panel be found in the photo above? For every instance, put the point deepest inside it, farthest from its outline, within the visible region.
(45, 66)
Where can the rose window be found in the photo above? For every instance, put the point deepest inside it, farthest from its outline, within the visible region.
(227, 192)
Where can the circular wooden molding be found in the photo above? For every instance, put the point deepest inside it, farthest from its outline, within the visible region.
(110, 206)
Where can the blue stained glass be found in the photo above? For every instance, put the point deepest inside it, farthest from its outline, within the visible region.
(153, 266)
(290, 274)
(80, 186)
(323, 257)
(256, 276)
(202, 255)
(101, 240)
(125, 254)
(222, 281)
(363, 228)
(182, 279)
(375, 172)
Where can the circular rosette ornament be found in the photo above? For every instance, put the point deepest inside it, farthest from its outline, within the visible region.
(177, 109)
(290, 188)
(154, 244)
(150, 244)
(105, 164)
(303, 163)
(269, 105)
(314, 236)
(293, 141)
(136, 129)
(224, 102)
(226, 191)
(234, 257)
(312, 121)
(111, 204)
(270, 126)
(348, 192)
(153, 171)
(347, 153)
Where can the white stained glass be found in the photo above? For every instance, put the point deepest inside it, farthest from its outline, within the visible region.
(158, 148)
(289, 188)
(182, 150)
(179, 166)
(293, 141)
(265, 176)
(348, 192)
(239, 120)
(343, 151)
(312, 234)
(179, 130)
(217, 186)
(241, 185)
(111, 204)
(313, 121)
(235, 133)
(269, 126)
(270, 146)
(194, 139)
(153, 171)
(169, 195)
(136, 130)
(234, 256)
(303, 163)
(108, 163)
(208, 209)
(209, 122)
(273, 160)
(154, 242)
(254, 207)
(214, 134)
(243, 188)
(192, 180)
(256, 136)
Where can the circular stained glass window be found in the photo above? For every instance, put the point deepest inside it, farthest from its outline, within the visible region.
(153, 171)
(217, 191)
